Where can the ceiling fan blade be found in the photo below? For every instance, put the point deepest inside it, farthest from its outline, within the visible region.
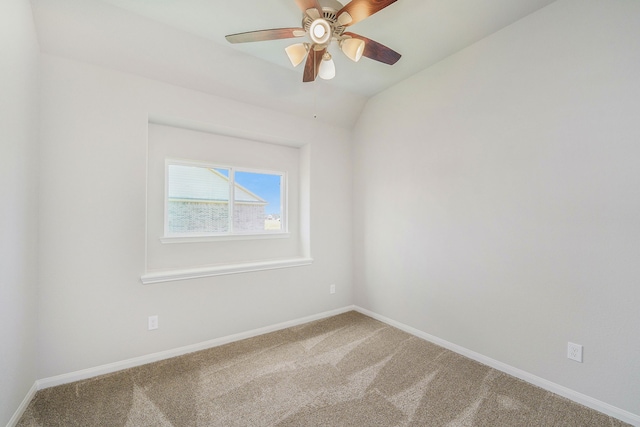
(306, 5)
(312, 65)
(358, 10)
(376, 51)
(264, 35)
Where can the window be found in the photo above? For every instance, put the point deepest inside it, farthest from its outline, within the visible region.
(198, 200)
(222, 204)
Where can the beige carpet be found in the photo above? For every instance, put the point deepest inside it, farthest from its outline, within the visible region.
(347, 370)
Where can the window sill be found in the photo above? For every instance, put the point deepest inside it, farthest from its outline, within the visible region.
(219, 270)
(198, 239)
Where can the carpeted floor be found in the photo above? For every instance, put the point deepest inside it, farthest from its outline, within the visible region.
(347, 370)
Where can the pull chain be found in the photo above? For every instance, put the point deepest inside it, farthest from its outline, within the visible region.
(315, 88)
(315, 100)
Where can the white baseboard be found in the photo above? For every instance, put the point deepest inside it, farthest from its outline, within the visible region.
(23, 406)
(143, 360)
(580, 398)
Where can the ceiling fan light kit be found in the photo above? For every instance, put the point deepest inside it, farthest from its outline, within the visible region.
(297, 53)
(320, 32)
(327, 67)
(325, 21)
(352, 48)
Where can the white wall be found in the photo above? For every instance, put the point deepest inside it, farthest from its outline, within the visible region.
(497, 202)
(18, 221)
(93, 307)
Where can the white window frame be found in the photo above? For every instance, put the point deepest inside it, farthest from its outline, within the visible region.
(172, 237)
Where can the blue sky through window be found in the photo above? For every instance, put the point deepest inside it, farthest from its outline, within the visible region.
(266, 186)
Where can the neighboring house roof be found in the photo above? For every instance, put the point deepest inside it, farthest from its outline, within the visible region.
(205, 184)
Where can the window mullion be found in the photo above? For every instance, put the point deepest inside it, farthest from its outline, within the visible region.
(232, 179)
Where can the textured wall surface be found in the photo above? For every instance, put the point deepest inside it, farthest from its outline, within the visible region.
(18, 192)
(94, 137)
(507, 219)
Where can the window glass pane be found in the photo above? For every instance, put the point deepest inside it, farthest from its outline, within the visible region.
(198, 199)
(257, 201)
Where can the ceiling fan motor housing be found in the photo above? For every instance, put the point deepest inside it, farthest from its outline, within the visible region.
(320, 31)
(327, 22)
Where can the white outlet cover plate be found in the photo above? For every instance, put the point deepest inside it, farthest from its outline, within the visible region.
(153, 322)
(574, 352)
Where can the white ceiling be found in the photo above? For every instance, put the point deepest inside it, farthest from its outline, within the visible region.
(182, 42)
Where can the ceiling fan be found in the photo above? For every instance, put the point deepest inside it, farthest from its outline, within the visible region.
(325, 21)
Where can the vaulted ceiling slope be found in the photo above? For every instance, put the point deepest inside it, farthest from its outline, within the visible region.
(182, 42)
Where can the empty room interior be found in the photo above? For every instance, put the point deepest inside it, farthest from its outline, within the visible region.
(464, 175)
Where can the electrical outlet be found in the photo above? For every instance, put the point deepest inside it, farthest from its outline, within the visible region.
(574, 352)
(153, 322)
(332, 289)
